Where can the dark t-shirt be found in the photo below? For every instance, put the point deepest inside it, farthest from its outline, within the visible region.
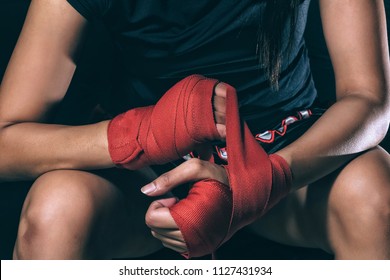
(161, 42)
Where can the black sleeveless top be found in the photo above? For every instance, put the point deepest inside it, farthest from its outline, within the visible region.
(161, 42)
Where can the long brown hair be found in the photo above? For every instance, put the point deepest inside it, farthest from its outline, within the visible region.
(277, 16)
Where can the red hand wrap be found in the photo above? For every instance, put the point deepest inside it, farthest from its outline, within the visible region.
(257, 182)
(203, 216)
(181, 119)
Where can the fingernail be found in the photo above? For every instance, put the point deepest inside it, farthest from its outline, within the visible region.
(149, 188)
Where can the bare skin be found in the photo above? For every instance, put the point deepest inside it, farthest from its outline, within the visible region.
(70, 214)
(354, 230)
(38, 76)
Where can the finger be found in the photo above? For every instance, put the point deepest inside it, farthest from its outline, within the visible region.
(220, 90)
(221, 128)
(158, 216)
(174, 234)
(219, 104)
(177, 249)
(220, 117)
(165, 202)
(190, 171)
(167, 240)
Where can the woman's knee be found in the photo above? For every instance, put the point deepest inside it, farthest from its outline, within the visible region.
(60, 204)
(363, 186)
(359, 207)
(65, 193)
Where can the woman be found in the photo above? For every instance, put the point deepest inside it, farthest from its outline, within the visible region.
(73, 213)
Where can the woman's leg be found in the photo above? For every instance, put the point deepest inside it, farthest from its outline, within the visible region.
(346, 213)
(80, 215)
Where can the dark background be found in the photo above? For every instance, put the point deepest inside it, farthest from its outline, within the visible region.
(90, 86)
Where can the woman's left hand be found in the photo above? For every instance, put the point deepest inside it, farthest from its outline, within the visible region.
(158, 217)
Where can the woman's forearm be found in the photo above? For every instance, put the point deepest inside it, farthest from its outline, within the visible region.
(30, 149)
(352, 125)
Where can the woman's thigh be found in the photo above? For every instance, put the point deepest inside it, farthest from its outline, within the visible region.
(329, 213)
(95, 215)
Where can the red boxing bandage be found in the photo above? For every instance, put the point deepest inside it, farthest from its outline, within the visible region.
(203, 216)
(182, 119)
(257, 182)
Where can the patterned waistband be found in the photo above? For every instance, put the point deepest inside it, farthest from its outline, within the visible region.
(269, 137)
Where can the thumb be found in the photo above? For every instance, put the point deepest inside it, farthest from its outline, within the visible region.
(163, 203)
(158, 215)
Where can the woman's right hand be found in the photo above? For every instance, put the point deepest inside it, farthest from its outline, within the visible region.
(207, 208)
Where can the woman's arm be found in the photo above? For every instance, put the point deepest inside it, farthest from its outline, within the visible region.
(356, 37)
(37, 77)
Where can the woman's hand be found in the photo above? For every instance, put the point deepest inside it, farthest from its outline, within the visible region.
(158, 216)
(163, 226)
